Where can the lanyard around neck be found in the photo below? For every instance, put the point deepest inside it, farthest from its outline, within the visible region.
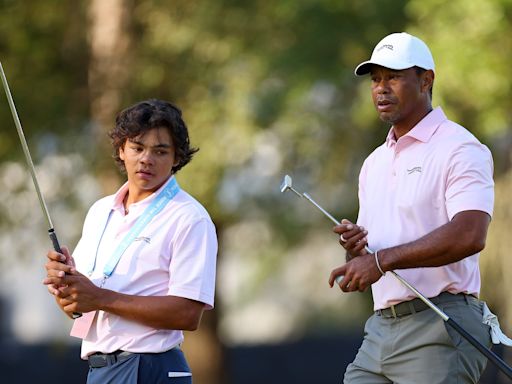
(160, 201)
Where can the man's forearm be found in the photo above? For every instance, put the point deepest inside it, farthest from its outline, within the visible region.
(462, 237)
(161, 312)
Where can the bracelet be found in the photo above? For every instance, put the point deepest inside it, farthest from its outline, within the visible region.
(377, 262)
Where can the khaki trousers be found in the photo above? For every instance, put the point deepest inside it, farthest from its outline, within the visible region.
(421, 348)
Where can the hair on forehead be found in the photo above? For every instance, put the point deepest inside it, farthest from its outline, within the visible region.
(159, 132)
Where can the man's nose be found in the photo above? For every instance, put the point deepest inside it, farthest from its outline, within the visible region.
(381, 87)
(146, 157)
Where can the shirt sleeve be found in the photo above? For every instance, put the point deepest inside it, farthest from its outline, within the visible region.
(361, 216)
(469, 184)
(81, 249)
(193, 263)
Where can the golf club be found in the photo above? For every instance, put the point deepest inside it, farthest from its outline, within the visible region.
(500, 364)
(28, 158)
(287, 185)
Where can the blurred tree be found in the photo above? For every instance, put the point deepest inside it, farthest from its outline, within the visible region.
(266, 89)
(109, 40)
(44, 54)
(471, 45)
(496, 263)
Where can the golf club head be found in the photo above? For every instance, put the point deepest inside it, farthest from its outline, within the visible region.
(286, 184)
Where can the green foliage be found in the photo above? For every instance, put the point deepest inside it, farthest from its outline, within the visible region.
(266, 88)
(44, 55)
(236, 68)
(470, 41)
(471, 46)
(242, 68)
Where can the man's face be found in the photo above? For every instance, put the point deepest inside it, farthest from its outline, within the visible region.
(148, 160)
(400, 97)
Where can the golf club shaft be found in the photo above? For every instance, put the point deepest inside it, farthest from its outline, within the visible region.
(30, 163)
(24, 146)
(484, 350)
(500, 364)
(495, 359)
(308, 198)
(400, 278)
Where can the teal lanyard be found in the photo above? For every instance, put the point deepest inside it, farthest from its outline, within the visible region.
(160, 201)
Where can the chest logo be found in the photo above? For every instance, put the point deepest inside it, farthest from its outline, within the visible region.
(415, 169)
(143, 238)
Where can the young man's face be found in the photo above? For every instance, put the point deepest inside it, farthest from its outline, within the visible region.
(148, 160)
(400, 97)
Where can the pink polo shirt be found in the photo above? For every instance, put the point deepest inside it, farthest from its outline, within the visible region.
(409, 187)
(175, 254)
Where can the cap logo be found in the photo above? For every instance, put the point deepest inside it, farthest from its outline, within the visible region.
(388, 46)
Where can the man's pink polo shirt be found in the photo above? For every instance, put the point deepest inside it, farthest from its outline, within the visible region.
(410, 187)
(175, 254)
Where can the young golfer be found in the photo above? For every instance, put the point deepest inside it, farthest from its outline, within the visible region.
(426, 198)
(145, 264)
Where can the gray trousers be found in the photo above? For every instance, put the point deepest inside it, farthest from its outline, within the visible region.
(421, 348)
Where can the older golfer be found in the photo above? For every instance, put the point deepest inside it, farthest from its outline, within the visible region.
(426, 198)
(145, 265)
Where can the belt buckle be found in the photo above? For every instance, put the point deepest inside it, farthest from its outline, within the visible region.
(97, 361)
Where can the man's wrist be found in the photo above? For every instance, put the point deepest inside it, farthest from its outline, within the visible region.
(385, 260)
(348, 256)
(376, 256)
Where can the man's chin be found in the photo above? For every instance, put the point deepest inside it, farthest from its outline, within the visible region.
(389, 118)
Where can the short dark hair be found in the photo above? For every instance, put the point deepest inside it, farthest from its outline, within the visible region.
(146, 115)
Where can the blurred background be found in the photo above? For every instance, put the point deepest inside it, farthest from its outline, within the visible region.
(267, 89)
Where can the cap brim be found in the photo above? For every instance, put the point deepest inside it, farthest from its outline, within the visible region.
(365, 67)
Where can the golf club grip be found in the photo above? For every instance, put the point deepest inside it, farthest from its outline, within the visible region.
(484, 350)
(56, 247)
(55, 241)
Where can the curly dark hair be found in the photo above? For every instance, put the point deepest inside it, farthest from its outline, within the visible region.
(146, 115)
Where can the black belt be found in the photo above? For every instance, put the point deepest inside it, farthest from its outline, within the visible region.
(98, 360)
(416, 305)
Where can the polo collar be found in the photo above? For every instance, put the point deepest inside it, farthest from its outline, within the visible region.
(117, 202)
(424, 129)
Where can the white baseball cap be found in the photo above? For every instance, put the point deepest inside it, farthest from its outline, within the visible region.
(398, 51)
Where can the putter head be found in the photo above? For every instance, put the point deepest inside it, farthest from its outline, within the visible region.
(286, 184)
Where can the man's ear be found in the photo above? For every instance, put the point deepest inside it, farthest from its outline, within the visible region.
(121, 151)
(427, 80)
